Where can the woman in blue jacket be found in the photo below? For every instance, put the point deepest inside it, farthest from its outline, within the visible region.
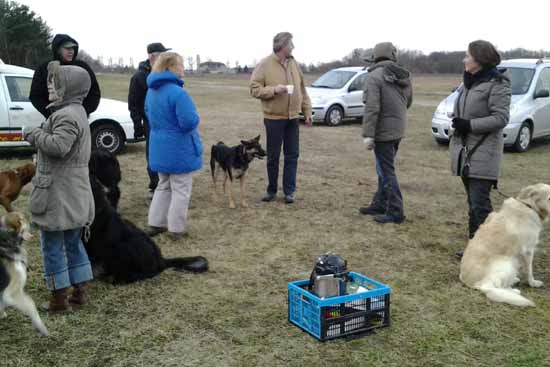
(175, 149)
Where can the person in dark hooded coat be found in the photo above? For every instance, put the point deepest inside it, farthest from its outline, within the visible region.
(387, 97)
(65, 50)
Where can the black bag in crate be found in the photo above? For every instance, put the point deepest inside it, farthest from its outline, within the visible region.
(328, 264)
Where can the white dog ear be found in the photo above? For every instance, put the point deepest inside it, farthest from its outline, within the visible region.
(537, 199)
(526, 194)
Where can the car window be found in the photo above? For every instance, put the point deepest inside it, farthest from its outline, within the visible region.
(358, 83)
(18, 88)
(520, 79)
(544, 80)
(334, 79)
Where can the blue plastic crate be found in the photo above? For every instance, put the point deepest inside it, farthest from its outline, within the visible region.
(340, 316)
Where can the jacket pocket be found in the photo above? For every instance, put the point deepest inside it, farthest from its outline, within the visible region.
(40, 194)
(277, 106)
(197, 144)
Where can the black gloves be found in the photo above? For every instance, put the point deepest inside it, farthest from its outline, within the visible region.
(462, 126)
(139, 131)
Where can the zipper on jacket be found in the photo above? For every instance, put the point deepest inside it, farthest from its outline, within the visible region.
(286, 77)
(461, 113)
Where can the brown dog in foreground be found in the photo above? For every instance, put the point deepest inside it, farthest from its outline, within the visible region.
(11, 183)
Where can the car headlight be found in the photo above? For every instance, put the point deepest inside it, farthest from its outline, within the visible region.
(441, 109)
(318, 100)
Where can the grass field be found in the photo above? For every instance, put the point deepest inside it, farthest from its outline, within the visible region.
(236, 315)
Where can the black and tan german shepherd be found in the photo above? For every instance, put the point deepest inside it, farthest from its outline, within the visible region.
(234, 161)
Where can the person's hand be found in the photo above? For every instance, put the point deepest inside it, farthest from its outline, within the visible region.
(309, 121)
(369, 143)
(139, 131)
(280, 89)
(462, 126)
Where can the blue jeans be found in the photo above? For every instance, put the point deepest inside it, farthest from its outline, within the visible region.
(287, 134)
(388, 197)
(65, 259)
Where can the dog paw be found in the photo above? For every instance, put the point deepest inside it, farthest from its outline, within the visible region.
(536, 283)
(232, 206)
(244, 205)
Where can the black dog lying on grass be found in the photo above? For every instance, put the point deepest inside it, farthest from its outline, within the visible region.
(104, 165)
(124, 251)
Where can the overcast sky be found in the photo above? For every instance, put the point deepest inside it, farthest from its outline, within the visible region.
(323, 30)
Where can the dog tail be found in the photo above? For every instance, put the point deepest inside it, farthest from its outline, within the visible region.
(507, 295)
(195, 264)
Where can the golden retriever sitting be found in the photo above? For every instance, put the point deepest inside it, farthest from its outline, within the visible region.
(505, 244)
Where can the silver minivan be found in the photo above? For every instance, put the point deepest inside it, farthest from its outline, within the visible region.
(338, 95)
(529, 109)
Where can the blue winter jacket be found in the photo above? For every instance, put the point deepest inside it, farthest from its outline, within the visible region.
(175, 145)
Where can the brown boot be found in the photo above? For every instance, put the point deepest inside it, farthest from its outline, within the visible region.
(79, 296)
(58, 302)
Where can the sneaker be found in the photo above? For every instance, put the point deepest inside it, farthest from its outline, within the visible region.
(269, 198)
(385, 218)
(153, 231)
(371, 210)
(289, 199)
(151, 194)
(176, 236)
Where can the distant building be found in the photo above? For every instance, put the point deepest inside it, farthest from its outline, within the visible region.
(213, 67)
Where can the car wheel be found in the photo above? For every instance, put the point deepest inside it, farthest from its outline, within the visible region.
(107, 137)
(442, 141)
(523, 140)
(335, 116)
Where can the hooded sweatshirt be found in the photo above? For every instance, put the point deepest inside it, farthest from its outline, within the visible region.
(61, 197)
(39, 87)
(387, 96)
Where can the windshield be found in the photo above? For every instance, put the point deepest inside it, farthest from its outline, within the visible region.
(334, 79)
(521, 79)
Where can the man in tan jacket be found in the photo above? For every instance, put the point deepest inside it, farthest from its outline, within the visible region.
(278, 82)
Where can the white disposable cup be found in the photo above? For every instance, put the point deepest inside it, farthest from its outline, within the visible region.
(290, 89)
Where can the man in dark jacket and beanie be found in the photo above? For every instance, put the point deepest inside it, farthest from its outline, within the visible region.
(65, 50)
(136, 103)
(387, 96)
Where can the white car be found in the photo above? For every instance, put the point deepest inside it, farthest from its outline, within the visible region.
(529, 108)
(110, 125)
(337, 95)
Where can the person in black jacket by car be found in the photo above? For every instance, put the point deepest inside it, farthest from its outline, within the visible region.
(65, 50)
(136, 103)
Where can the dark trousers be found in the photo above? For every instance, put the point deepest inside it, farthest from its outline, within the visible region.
(153, 176)
(388, 196)
(284, 133)
(479, 201)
